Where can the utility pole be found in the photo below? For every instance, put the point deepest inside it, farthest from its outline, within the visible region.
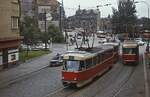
(45, 25)
(60, 20)
(61, 17)
(35, 11)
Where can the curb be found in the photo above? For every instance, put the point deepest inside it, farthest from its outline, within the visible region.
(146, 83)
(27, 61)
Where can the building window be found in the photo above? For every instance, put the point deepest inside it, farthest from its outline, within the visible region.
(14, 22)
(13, 57)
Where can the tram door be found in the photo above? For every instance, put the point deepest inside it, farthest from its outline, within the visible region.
(5, 59)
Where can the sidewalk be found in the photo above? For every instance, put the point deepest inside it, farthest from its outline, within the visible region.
(147, 58)
(12, 75)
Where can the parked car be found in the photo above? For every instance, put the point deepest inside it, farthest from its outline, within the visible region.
(56, 61)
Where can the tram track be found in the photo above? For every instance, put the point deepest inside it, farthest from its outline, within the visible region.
(125, 83)
(62, 92)
(116, 91)
(112, 89)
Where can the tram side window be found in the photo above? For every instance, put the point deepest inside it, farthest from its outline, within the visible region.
(88, 63)
(82, 65)
(103, 56)
(106, 55)
(110, 53)
(102, 59)
(94, 61)
(98, 59)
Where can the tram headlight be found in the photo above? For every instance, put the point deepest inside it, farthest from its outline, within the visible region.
(75, 78)
(62, 77)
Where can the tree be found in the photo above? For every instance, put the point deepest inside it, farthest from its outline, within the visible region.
(55, 34)
(124, 19)
(30, 31)
(145, 22)
(44, 38)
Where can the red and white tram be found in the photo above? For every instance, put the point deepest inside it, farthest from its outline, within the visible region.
(81, 67)
(130, 52)
(116, 49)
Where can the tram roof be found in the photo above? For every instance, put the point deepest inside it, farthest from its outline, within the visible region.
(111, 43)
(130, 44)
(82, 55)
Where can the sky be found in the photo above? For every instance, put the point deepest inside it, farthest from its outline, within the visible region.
(72, 5)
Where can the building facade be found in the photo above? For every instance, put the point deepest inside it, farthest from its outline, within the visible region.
(9, 32)
(38, 9)
(86, 19)
(26, 8)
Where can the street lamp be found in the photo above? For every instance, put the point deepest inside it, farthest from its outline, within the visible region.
(100, 12)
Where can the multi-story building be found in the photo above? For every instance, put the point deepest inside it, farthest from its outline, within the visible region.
(86, 19)
(106, 25)
(9, 32)
(27, 8)
(48, 12)
(38, 9)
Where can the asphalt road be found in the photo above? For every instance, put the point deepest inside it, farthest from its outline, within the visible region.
(38, 84)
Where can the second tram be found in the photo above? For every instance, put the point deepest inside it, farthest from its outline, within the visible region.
(81, 67)
(130, 52)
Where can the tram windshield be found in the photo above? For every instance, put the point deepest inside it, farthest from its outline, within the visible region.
(72, 65)
(129, 50)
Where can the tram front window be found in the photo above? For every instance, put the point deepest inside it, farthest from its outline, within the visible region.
(72, 65)
(129, 50)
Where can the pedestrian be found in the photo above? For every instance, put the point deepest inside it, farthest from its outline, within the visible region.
(147, 48)
(148, 55)
(148, 59)
(71, 41)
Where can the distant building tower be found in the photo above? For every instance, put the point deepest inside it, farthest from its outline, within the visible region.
(86, 19)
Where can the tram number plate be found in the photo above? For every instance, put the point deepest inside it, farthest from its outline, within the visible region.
(71, 57)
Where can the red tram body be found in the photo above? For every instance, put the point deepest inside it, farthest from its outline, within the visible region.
(81, 67)
(130, 52)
